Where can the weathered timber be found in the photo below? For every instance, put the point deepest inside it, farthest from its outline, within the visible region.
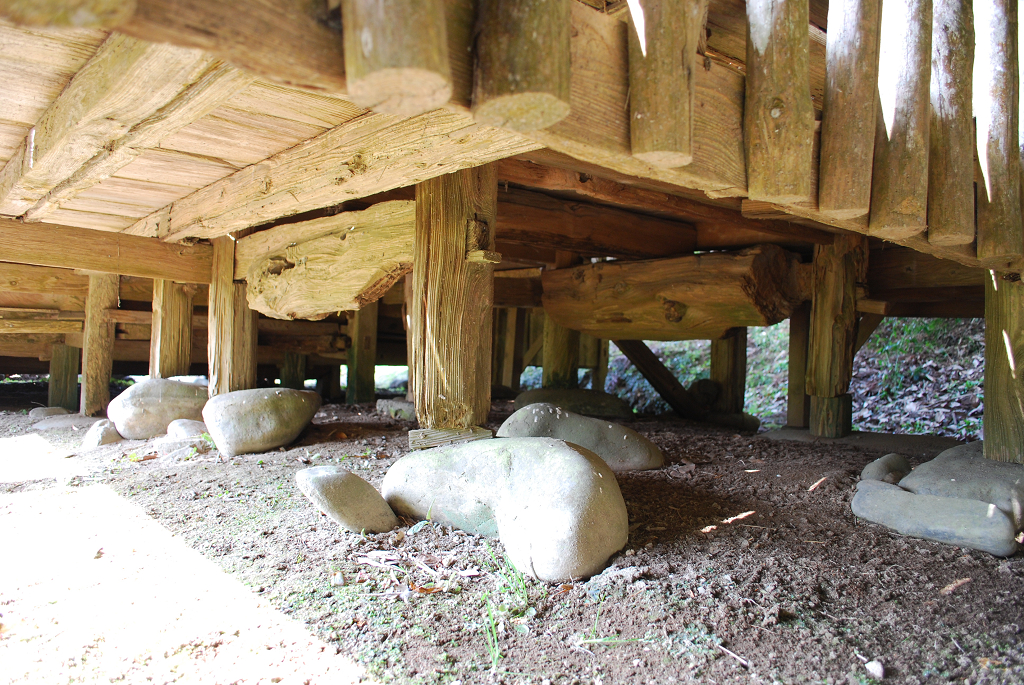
(996, 112)
(362, 355)
(124, 83)
(396, 55)
(899, 267)
(951, 137)
(661, 379)
(662, 69)
(848, 116)
(778, 118)
(425, 438)
(695, 297)
(899, 180)
(115, 253)
(561, 355)
(40, 326)
(451, 307)
(232, 339)
(171, 336)
(25, 278)
(315, 268)
(63, 385)
(509, 333)
(521, 79)
(293, 370)
(95, 14)
(867, 323)
(516, 291)
(968, 308)
(98, 344)
(798, 402)
(831, 417)
(729, 370)
(1004, 369)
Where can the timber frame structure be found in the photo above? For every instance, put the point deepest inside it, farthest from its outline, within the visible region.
(274, 189)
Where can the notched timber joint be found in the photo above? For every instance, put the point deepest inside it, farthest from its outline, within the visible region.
(483, 257)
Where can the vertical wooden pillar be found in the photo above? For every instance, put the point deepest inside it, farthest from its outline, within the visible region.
(453, 290)
(1004, 369)
(561, 355)
(170, 343)
(601, 372)
(362, 355)
(729, 370)
(798, 407)
(63, 377)
(514, 356)
(293, 371)
(232, 329)
(98, 343)
(833, 332)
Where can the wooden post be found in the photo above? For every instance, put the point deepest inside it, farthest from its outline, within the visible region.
(850, 107)
(778, 117)
(951, 146)
(63, 377)
(499, 320)
(798, 406)
(996, 108)
(833, 332)
(170, 343)
(293, 370)
(561, 355)
(729, 370)
(362, 355)
(453, 288)
(899, 181)
(515, 364)
(231, 349)
(410, 347)
(601, 372)
(396, 55)
(662, 72)
(521, 80)
(1004, 368)
(98, 343)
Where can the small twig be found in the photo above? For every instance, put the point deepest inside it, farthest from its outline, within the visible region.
(814, 487)
(743, 662)
(958, 645)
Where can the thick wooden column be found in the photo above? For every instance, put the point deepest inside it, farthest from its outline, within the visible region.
(410, 351)
(778, 116)
(507, 346)
(232, 326)
(453, 288)
(362, 355)
(561, 355)
(293, 370)
(98, 343)
(170, 343)
(601, 372)
(833, 332)
(798, 405)
(1004, 369)
(63, 390)
(729, 370)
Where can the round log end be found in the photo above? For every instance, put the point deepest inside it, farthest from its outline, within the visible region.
(664, 159)
(950, 239)
(843, 212)
(521, 111)
(404, 92)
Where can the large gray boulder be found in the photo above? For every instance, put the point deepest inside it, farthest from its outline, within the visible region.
(623, 449)
(182, 429)
(144, 409)
(346, 499)
(964, 472)
(103, 432)
(556, 506)
(888, 469)
(247, 421)
(585, 402)
(962, 522)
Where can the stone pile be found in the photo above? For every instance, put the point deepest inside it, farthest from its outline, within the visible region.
(144, 410)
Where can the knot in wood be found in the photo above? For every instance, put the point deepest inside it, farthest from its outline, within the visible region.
(778, 106)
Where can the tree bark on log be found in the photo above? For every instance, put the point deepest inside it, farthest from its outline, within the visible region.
(63, 385)
(231, 346)
(1004, 369)
(170, 352)
(523, 66)
(98, 343)
(452, 295)
(729, 370)
(362, 355)
(778, 116)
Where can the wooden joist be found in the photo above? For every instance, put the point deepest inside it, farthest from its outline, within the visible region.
(100, 14)
(898, 267)
(657, 374)
(114, 253)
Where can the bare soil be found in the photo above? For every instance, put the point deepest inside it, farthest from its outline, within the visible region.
(744, 564)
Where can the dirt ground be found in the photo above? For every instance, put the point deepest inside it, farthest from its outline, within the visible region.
(744, 564)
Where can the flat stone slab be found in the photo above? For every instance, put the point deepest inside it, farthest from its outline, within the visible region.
(346, 499)
(623, 449)
(556, 506)
(145, 409)
(585, 402)
(103, 432)
(65, 421)
(889, 469)
(916, 446)
(965, 473)
(962, 522)
(397, 409)
(250, 421)
(43, 412)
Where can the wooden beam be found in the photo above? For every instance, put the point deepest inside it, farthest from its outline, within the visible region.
(729, 370)
(451, 304)
(98, 14)
(25, 278)
(1004, 369)
(63, 384)
(232, 338)
(86, 249)
(898, 267)
(661, 379)
(866, 325)
(171, 336)
(98, 344)
(518, 292)
(362, 355)
(39, 326)
(798, 403)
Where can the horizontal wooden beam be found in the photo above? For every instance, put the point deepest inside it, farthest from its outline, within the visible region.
(517, 292)
(40, 326)
(950, 309)
(82, 248)
(900, 267)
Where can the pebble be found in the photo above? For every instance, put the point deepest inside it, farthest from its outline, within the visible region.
(103, 432)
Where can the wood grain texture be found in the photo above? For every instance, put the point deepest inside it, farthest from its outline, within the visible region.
(695, 297)
(396, 55)
(39, 326)
(899, 180)
(729, 370)
(171, 336)
(63, 383)
(232, 337)
(778, 117)
(899, 267)
(79, 248)
(661, 379)
(848, 117)
(951, 138)
(98, 344)
(24, 278)
(561, 356)
(1004, 369)
(798, 404)
(293, 370)
(95, 14)
(451, 307)
(831, 417)
(362, 355)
